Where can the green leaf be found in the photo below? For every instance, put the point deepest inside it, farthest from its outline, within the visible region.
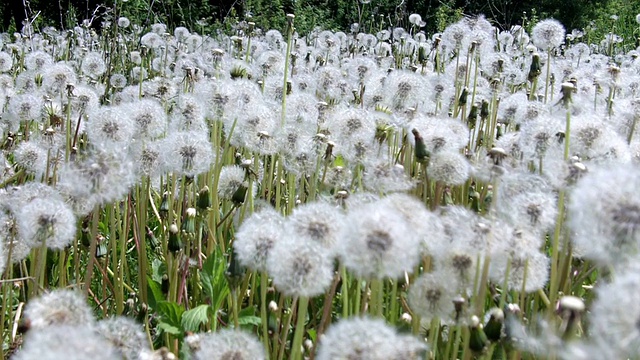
(170, 313)
(170, 329)
(249, 320)
(154, 289)
(247, 316)
(213, 281)
(192, 319)
(158, 268)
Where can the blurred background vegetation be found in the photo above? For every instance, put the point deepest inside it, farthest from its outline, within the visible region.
(209, 15)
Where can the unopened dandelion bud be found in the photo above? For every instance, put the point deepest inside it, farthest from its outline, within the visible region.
(308, 344)
(458, 304)
(406, 317)
(570, 309)
(328, 153)
(235, 272)
(422, 54)
(488, 199)
(164, 205)
(422, 154)
(567, 89)
(189, 221)
(175, 243)
(484, 109)
(512, 326)
(462, 100)
(535, 69)
(101, 249)
(478, 340)
(164, 285)
(473, 116)
(497, 154)
(239, 195)
(576, 171)
(204, 200)
(85, 238)
(273, 306)
(493, 328)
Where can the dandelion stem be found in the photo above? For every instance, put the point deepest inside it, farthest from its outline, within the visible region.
(301, 316)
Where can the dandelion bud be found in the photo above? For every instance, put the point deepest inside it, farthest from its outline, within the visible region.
(473, 116)
(570, 308)
(512, 326)
(535, 69)
(497, 155)
(273, 306)
(458, 304)
(235, 272)
(462, 100)
(189, 222)
(422, 154)
(422, 54)
(204, 201)
(85, 238)
(406, 317)
(484, 109)
(239, 195)
(576, 171)
(162, 354)
(308, 344)
(493, 328)
(153, 240)
(164, 286)
(478, 339)
(567, 89)
(101, 249)
(175, 244)
(164, 205)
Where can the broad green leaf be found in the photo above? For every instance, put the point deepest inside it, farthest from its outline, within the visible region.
(170, 329)
(249, 320)
(158, 268)
(192, 319)
(170, 313)
(155, 293)
(213, 281)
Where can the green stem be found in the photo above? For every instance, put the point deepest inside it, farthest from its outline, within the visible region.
(301, 316)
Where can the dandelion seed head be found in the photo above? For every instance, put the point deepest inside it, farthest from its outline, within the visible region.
(548, 34)
(365, 338)
(225, 344)
(56, 308)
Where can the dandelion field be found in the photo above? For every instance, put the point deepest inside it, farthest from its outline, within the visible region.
(471, 194)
